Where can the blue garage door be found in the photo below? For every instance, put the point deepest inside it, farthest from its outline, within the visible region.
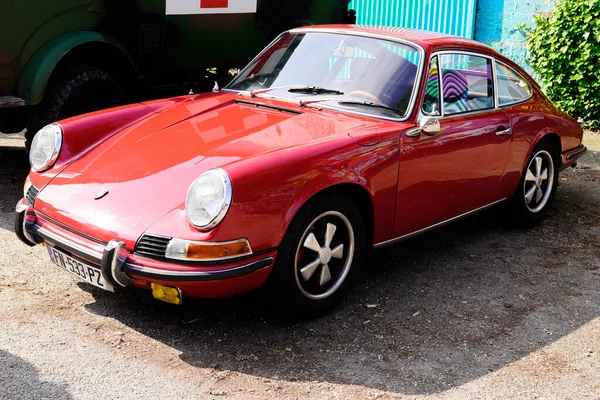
(456, 17)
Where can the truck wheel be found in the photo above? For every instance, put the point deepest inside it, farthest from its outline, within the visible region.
(12, 120)
(80, 90)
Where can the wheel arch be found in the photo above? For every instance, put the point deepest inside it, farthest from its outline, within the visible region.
(555, 140)
(550, 136)
(358, 194)
(92, 48)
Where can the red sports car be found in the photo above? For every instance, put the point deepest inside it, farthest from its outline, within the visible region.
(332, 141)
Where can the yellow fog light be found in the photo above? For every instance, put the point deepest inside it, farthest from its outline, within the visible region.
(168, 294)
(179, 249)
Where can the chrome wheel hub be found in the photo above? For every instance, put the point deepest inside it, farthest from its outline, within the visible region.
(324, 255)
(539, 180)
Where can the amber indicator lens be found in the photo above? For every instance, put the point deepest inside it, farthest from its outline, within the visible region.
(179, 249)
(217, 250)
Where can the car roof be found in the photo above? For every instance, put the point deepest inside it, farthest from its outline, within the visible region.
(426, 39)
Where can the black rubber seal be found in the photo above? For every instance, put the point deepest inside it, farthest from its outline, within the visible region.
(197, 276)
(18, 225)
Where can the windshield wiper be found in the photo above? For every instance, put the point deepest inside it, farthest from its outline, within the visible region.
(315, 90)
(370, 104)
(256, 92)
(304, 103)
(295, 89)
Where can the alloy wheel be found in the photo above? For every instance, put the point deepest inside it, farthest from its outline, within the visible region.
(324, 255)
(539, 180)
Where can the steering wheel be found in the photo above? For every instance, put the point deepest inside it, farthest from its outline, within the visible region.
(366, 94)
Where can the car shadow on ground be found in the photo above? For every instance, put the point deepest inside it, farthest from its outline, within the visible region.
(426, 315)
(21, 380)
(14, 168)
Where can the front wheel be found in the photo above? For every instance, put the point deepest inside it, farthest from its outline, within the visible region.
(319, 257)
(534, 197)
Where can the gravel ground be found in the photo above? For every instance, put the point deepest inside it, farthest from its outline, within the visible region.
(474, 310)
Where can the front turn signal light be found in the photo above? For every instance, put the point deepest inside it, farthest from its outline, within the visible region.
(26, 186)
(187, 250)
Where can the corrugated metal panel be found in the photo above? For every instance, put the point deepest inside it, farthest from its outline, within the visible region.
(455, 17)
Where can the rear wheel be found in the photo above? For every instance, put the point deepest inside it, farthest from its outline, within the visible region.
(80, 90)
(534, 197)
(319, 257)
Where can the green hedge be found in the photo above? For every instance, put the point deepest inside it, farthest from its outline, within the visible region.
(564, 52)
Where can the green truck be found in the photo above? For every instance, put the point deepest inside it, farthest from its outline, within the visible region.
(65, 57)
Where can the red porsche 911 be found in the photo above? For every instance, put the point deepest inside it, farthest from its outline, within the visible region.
(332, 141)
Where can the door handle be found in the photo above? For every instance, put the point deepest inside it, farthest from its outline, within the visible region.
(501, 131)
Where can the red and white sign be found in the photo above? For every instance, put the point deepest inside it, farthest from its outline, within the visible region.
(186, 7)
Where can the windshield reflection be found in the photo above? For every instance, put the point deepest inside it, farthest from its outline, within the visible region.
(338, 67)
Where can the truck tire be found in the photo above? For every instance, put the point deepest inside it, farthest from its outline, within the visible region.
(13, 120)
(80, 90)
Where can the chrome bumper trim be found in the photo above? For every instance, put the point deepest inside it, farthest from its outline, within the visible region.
(380, 245)
(576, 154)
(114, 265)
(19, 223)
(21, 206)
(198, 276)
(66, 244)
(114, 256)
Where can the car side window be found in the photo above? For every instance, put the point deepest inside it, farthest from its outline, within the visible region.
(431, 99)
(512, 88)
(467, 83)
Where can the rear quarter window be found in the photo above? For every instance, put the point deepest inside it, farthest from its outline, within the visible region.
(512, 87)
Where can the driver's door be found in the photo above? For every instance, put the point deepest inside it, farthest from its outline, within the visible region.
(457, 169)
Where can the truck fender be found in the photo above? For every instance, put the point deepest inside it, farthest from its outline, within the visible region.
(38, 70)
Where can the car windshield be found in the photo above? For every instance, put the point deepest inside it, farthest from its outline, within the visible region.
(354, 73)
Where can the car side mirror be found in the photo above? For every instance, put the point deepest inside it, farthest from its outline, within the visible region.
(428, 125)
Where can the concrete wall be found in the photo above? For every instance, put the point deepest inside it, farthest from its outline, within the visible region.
(496, 25)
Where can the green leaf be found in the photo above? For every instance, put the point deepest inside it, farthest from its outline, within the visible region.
(564, 51)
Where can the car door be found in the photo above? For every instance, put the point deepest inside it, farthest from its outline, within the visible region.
(457, 169)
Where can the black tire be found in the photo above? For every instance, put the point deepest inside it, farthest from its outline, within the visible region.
(80, 90)
(287, 290)
(526, 212)
(13, 120)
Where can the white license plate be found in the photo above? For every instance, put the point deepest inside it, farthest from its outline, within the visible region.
(87, 272)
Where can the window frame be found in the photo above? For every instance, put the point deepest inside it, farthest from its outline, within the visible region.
(512, 103)
(440, 90)
(497, 105)
(494, 81)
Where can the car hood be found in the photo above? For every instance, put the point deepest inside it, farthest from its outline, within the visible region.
(146, 169)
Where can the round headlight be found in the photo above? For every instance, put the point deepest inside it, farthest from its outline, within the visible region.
(45, 147)
(208, 199)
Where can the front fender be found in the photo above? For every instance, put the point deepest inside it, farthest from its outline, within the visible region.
(36, 73)
(83, 133)
(270, 189)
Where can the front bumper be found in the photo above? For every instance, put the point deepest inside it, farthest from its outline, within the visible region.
(121, 268)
